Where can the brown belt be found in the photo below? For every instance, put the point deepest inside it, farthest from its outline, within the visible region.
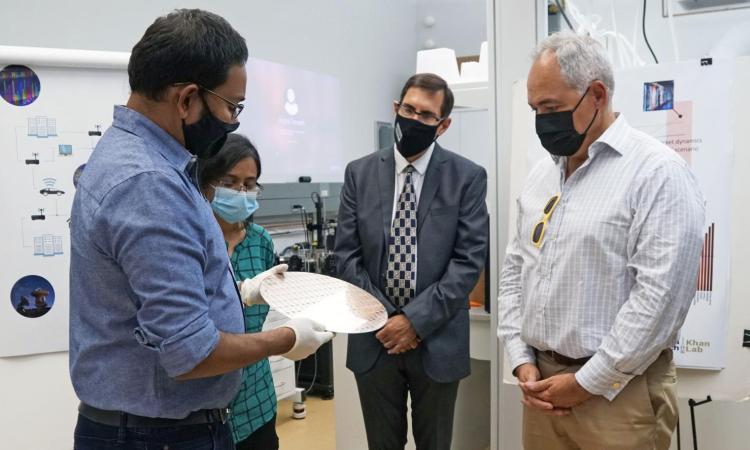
(564, 360)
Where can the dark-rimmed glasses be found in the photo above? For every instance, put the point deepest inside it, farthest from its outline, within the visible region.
(236, 107)
(425, 117)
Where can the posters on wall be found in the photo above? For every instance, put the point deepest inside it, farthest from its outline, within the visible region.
(687, 106)
(50, 121)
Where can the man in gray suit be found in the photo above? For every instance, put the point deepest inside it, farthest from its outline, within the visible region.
(412, 231)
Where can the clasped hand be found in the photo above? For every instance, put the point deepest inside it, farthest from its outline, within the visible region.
(398, 335)
(555, 395)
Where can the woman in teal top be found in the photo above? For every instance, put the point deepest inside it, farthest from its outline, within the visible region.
(230, 181)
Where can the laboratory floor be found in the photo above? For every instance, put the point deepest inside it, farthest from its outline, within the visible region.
(316, 432)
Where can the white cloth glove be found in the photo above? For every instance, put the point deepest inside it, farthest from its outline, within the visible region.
(308, 336)
(250, 288)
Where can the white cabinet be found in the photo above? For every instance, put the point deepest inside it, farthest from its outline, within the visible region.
(451, 139)
(282, 369)
(469, 136)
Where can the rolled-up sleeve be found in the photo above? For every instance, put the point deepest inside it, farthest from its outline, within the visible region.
(162, 253)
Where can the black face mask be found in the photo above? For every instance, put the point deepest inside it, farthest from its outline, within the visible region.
(557, 133)
(205, 137)
(412, 136)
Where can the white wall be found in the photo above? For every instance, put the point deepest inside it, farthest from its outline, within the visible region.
(370, 45)
(696, 34)
(459, 24)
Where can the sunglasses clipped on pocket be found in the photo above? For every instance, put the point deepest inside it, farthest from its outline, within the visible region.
(537, 234)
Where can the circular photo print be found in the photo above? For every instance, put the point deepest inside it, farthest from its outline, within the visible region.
(19, 85)
(77, 175)
(32, 296)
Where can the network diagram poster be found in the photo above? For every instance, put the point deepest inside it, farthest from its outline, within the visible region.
(50, 121)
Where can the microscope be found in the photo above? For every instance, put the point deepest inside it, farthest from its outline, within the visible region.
(316, 253)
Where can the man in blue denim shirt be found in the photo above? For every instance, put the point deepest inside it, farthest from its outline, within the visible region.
(156, 323)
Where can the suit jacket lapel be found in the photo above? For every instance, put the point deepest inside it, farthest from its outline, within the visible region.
(387, 182)
(430, 185)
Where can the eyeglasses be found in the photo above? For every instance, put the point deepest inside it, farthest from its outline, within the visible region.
(425, 117)
(236, 107)
(537, 234)
(226, 184)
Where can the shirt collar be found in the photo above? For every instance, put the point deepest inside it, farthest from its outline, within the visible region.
(136, 123)
(615, 137)
(420, 165)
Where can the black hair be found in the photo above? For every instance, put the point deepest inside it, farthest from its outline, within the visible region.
(235, 149)
(186, 45)
(431, 83)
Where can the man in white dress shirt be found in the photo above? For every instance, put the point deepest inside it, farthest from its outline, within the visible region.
(602, 270)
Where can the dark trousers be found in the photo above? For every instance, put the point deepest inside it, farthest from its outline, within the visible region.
(264, 438)
(91, 435)
(382, 393)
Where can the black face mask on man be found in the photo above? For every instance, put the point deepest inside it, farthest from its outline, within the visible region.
(412, 136)
(205, 137)
(557, 133)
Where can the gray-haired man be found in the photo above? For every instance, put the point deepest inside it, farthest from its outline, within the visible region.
(602, 270)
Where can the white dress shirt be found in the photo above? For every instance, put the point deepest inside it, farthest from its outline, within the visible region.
(616, 272)
(417, 176)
